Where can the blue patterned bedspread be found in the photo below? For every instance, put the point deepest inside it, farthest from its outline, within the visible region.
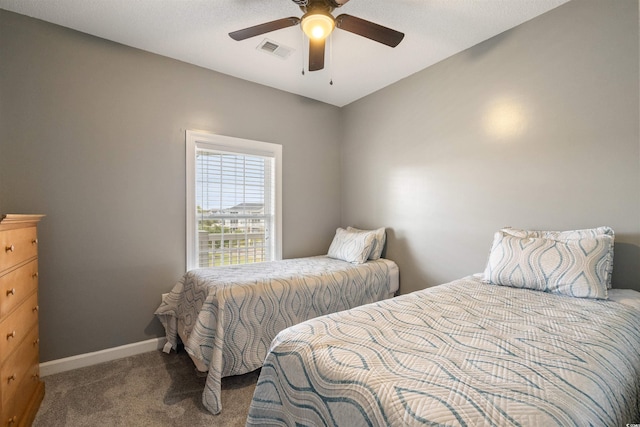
(227, 316)
(460, 354)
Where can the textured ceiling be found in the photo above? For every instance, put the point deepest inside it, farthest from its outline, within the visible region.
(196, 31)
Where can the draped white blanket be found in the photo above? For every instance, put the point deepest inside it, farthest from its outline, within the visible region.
(227, 316)
(464, 353)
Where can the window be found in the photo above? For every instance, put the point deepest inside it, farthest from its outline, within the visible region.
(233, 200)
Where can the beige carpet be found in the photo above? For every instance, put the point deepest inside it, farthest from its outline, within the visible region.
(150, 389)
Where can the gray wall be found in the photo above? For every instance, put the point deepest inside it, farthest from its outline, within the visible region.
(535, 128)
(92, 135)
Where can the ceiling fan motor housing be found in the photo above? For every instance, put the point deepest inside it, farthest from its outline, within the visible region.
(319, 5)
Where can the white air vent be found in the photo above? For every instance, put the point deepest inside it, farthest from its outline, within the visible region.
(275, 48)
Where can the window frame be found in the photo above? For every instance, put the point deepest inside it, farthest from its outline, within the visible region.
(210, 141)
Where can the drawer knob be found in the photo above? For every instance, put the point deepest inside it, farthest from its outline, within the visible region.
(11, 378)
(36, 377)
(34, 242)
(34, 275)
(12, 420)
(11, 291)
(36, 308)
(36, 341)
(12, 334)
(10, 248)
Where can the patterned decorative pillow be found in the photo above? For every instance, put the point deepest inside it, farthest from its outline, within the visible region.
(577, 268)
(378, 243)
(564, 236)
(351, 246)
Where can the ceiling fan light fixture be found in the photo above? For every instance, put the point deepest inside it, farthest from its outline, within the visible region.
(317, 25)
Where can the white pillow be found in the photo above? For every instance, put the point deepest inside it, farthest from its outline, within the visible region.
(378, 244)
(351, 246)
(577, 268)
(564, 236)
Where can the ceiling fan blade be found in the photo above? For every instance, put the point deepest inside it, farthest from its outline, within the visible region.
(316, 55)
(267, 27)
(369, 30)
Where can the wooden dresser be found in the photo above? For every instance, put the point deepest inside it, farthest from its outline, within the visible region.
(21, 390)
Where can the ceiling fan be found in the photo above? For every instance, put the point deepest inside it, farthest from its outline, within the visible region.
(317, 23)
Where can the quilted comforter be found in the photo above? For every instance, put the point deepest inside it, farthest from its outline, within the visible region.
(227, 316)
(463, 353)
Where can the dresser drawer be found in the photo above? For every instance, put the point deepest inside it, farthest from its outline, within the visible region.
(16, 286)
(18, 366)
(13, 413)
(17, 245)
(17, 325)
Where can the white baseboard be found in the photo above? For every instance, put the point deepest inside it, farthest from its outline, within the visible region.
(88, 359)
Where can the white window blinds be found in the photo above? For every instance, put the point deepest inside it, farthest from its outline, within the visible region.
(233, 202)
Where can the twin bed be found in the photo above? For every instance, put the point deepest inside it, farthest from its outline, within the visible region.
(463, 353)
(539, 338)
(227, 317)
